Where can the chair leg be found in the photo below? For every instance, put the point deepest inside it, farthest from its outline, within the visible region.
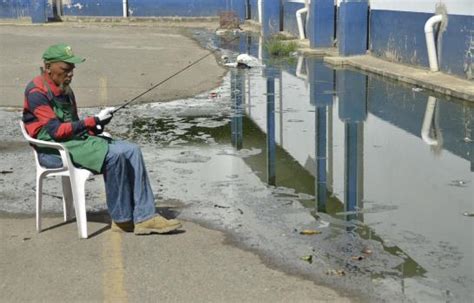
(39, 200)
(68, 201)
(78, 181)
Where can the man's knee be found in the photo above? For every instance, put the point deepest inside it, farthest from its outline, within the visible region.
(122, 149)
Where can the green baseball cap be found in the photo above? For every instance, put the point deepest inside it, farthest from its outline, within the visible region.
(61, 52)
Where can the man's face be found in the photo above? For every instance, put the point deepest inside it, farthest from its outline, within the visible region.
(60, 72)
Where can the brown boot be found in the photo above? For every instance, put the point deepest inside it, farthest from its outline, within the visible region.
(156, 224)
(124, 227)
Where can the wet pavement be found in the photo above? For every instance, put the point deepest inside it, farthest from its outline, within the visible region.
(378, 173)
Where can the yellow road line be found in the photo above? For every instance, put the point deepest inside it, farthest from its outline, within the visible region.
(113, 277)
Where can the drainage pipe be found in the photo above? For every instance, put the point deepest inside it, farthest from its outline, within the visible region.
(427, 121)
(430, 41)
(260, 12)
(124, 8)
(299, 19)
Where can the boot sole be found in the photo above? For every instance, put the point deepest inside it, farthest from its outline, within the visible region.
(147, 231)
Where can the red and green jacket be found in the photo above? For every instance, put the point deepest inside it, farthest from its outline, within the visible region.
(38, 111)
(50, 114)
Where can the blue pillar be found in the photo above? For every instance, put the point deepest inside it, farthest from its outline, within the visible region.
(271, 144)
(237, 86)
(352, 92)
(271, 15)
(352, 27)
(321, 23)
(38, 11)
(321, 81)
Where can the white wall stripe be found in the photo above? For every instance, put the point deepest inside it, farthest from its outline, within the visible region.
(454, 7)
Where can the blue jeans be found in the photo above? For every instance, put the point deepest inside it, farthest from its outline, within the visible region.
(127, 187)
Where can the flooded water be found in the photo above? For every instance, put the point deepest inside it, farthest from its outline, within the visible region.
(383, 170)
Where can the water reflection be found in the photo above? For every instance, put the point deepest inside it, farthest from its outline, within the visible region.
(358, 144)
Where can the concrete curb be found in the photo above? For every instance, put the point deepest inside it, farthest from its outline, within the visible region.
(438, 82)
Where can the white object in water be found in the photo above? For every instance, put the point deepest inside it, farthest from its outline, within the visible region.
(244, 60)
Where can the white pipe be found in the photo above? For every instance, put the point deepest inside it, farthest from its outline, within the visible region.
(430, 43)
(299, 19)
(124, 8)
(260, 13)
(427, 120)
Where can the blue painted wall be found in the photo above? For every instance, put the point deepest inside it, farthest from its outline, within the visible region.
(14, 8)
(254, 10)
(289, 14)
(185, 8)
(457, 52)
(93, 8)
(155, 8)
(407, 43)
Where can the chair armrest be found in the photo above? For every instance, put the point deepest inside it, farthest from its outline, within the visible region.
(63, 152)
(41, 143)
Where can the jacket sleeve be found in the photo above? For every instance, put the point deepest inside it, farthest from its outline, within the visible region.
(39, 106)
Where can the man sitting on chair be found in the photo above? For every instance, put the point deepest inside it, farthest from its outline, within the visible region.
(50, 114)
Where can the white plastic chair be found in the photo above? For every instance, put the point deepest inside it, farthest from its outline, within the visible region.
(73, 184)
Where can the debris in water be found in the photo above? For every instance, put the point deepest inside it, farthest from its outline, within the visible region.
(367, 251)
(467, 140)
(334, 272)
(310, 232)
(467, 214)
(358, 258)
(417, 89)
(242, 61)
(26, 239)
(220, 206)
(458, 183)
(308, 258)
(6, 171)
(240, 211)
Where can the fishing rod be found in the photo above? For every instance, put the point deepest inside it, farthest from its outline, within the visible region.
(173, 75)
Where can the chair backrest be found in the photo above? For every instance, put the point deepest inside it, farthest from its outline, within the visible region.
(30, 140)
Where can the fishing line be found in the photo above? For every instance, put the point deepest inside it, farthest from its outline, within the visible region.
(168, 78)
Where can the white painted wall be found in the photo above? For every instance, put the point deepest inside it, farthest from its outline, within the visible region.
(454, 7)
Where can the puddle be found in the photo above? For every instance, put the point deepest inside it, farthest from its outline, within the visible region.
(373, 164)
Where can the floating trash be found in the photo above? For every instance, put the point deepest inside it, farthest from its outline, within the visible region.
(468, 214)
(417, 89)
(308, 258)
(310, 232)
(458, 183)
(358, 258)
(335, 272)
(220, 206)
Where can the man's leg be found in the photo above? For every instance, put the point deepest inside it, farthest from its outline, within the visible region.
(129, 194)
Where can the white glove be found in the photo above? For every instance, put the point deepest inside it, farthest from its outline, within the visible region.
(106, 114)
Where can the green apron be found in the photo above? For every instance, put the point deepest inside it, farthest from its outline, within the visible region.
(85, 151)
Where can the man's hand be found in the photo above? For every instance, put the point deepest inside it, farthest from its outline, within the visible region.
(105, 115)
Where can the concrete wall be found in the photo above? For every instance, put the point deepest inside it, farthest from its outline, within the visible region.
(14, 8)
(92, 7)
(153, 8)
(397, 33)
